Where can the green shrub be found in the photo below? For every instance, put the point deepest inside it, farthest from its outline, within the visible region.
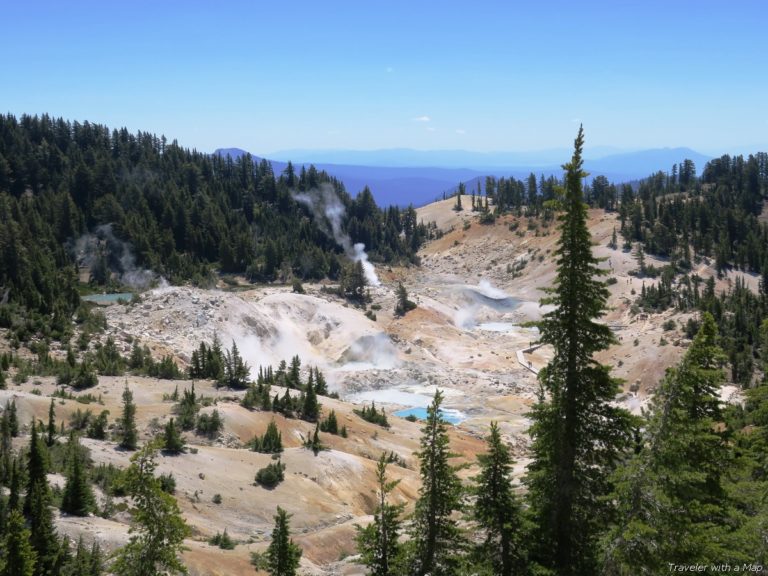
(373, 415)
(223, 541)
(167, 483)
(271, 475)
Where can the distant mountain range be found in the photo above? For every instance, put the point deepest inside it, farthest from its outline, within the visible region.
(403, 176)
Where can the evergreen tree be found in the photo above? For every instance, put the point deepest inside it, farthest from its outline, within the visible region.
(314, 442)
(3, 519)
(266, 401)
(459, 193)
(13, 419)
(97, 429)
(37, 466)
(43, 535)
(235, 369)
(403, 304)
(378, 542)
(215, 360)
(497, 510)
(670, 497)
(210, 425)
(6, 453)
(172, 440)
(159, 532)
(51, 424)
(353, 282)
(310, 409)
(577, 433)
(321, 387)
(187, 409)
(271, 475)
(764, 348)
(283, 555)
(18, 558)
(37, 508)
(97, 560)
(330, 424)
(436, 537)
(271, 442)
(80, 564)
(614, 241)
(294, 373)
(129, 436)
(14, 495)
(78, 499)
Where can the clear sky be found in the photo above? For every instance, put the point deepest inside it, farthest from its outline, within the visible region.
(365, 74)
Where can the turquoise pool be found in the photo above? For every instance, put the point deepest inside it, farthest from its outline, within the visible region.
(450, 416)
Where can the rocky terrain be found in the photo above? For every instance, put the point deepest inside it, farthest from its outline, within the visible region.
(476, 288)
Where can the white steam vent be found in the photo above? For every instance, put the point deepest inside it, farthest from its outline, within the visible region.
(328, 210)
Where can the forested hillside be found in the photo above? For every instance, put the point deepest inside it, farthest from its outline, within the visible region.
(151, 204)
(715, 219)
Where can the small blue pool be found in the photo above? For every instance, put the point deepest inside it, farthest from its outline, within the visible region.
(108, 298)
(450, 416)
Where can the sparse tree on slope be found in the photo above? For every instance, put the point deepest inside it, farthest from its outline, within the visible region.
(353, 282)
(403, 304)
(173, 443)
(235, 369)
(321, 387)
(497, 510)
(158, 537)
(18, 558)
(436, 537)
(129, 436)
(37, 508)
(310, 409)
(282, 555)
(458, 207)
(51, 425)
(578, 435)
(378, 542)
(78, 497)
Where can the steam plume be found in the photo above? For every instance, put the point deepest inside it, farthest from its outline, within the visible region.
(329, 211)
(89, 248)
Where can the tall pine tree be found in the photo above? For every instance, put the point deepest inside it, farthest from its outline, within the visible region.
(18, 558)
(158, 537)
(78, 498)
(436, 537)
(497, 510)
(51, 425)
(378, 542)
(577, 434)
(310, 409)
(37, 505)
(129, 436)
(282, 555)
(670, 496)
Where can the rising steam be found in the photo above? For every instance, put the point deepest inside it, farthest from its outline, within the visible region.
(328, 212)
(91, 248)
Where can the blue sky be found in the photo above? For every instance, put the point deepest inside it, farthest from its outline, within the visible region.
(371, 74)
